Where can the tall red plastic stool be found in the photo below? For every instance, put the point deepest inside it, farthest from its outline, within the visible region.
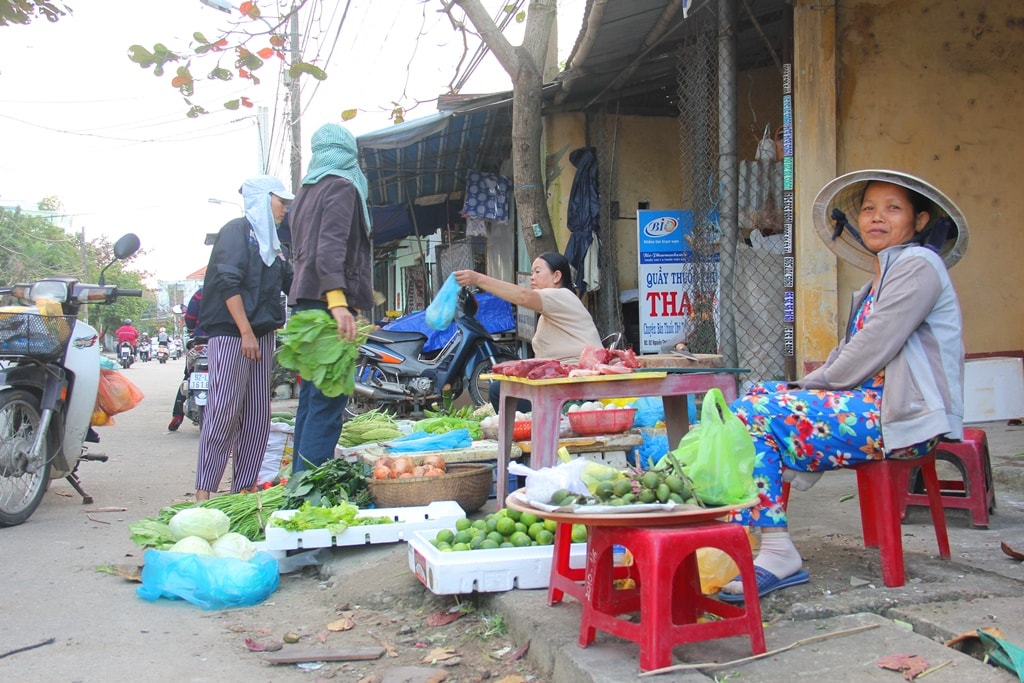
(974, 492)
(667, 593)
(880, 487)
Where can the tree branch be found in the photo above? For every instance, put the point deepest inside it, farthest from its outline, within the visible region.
(490, 33)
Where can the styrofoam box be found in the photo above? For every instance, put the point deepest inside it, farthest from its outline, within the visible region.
(443, 513)
(484, 571)
(993, 389)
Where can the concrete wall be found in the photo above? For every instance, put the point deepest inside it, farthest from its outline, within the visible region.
(937, 89)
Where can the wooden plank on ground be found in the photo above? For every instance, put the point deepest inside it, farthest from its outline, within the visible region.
(315, 654)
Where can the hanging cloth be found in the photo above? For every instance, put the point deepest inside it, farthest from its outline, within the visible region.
(584, 212)
(486, 196)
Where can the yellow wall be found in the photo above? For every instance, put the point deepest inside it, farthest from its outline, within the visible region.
(937, 89)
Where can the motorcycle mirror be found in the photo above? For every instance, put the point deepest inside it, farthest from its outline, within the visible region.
(126, 246)
(178, 309)
(123, 248)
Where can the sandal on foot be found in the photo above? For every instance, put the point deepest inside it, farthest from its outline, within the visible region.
(766, 583)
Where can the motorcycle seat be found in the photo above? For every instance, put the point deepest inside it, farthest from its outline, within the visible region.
(386, 336)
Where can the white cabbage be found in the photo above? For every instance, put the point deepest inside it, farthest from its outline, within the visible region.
(192, 544)
(234, 545)
(206, 523)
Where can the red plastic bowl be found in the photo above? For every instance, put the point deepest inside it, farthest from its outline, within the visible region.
(522, 431)
(613, 421)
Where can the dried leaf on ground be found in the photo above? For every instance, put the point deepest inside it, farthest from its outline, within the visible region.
(442, 618)
(1015, 554)
(343, 624)
(254, 646)
(521, 652)
(129, 572)
(912, 666)
(439, 654)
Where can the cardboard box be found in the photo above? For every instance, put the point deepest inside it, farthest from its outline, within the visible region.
(993, 389)
(483, 571)
(439, 514)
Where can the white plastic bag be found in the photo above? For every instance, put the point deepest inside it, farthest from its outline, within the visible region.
(540, 484)
(279, 444)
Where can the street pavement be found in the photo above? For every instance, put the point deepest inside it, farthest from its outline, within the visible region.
(979, 587)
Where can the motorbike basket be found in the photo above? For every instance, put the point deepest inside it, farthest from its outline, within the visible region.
(44, 337)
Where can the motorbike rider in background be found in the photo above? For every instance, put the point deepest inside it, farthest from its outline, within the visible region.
(196, 335)
(143, 348)
(127, 333)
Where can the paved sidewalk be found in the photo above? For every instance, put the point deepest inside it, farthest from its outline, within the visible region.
(980, 587)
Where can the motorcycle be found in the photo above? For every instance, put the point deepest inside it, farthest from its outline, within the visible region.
(162, 353)
(393, 372)
(48, 386)
(195, 388)
(144, 352)
(175, 349)
(126, 354)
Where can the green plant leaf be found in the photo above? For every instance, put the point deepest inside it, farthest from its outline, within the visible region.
(299, 68)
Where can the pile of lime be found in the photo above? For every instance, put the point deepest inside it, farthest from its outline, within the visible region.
(505, 528)
(650, 486)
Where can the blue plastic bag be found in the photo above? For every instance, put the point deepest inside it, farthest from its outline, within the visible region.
(425, 441)
(441, 311)
(210, 582)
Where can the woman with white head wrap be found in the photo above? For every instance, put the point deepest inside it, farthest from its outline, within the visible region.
(241, 308)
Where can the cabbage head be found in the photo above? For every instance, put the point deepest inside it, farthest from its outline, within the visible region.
(208, 523)
(234, 545)
(192, 544)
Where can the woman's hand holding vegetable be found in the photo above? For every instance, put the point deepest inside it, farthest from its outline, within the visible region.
(346, 323)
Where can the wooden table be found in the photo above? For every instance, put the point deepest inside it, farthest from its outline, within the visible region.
(547, 397)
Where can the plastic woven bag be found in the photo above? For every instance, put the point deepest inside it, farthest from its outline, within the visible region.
(718, 455)
(210, 582)
(441, 311)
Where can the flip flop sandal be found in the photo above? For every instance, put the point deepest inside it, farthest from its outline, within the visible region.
(766, 583)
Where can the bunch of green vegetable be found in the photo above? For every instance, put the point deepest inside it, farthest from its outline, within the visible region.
(310, 346)
(442, 422)
(247, 515)
(372, 426)
(332, 483)
(335, 519)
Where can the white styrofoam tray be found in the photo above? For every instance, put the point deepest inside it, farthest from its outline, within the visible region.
(993, 389)
(484, 571)
(443, 513)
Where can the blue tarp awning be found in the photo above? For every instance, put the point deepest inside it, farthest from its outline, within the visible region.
(431, 156)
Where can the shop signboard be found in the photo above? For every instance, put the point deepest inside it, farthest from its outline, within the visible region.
(666, 276)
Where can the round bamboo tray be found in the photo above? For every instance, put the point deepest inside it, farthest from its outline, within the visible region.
(469, 485)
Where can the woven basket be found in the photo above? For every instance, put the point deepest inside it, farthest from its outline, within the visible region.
(468, 485)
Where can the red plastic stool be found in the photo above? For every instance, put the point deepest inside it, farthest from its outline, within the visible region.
(973, 492)
(667, 593)
(880, 487)
(565, 579)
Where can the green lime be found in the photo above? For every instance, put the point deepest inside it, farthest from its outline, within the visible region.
(464, 536)
(463, 524)
(476, 542)
(458, 547)
(675, 483)
(650, 480)
(511, 514)
(433, 542)
(579, 533)
(480, 524)
(528, 518)
(506, 544)
(558, 496)
(445, 548)
(506, 526)
(648, 496)
(622, 487)
(604, 490)
(445, 536)
(489, 544)
(519, 539)
(663, 493)
(521, 527)
(535, 529)
(492, 522)
(551, 525)
(545, 537)
(496, 537)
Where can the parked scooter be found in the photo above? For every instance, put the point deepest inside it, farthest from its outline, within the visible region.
(392, 371)
(48, 386)
(126, 354)
(196, 387)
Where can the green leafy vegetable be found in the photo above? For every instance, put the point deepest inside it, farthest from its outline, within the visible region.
(310, 346)
(335, 519)
(335, 481)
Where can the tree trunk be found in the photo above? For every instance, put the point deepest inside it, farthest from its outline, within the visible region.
(524, 65)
